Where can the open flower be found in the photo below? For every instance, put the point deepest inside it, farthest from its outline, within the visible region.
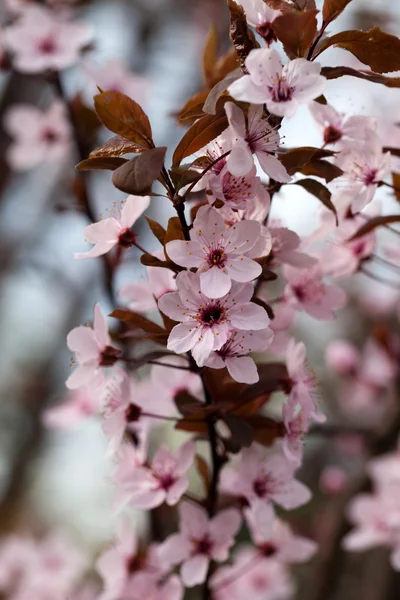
(260, 479)
(302, 382)
(257, 138)
(200, 540)
(164, 480)
(221, 255)
(237, 192)
(206, 323)
(261, 16)
(107, 233)
(234, 354)
(38, 136)
(41, 40)
(338, 127)
(282, 89)
(93, 351)
(142, 296)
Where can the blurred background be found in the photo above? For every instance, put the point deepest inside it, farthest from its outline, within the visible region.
(57, 478)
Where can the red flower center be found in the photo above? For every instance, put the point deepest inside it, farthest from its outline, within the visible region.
(47, 45)
(260, 487)
(282, 91)
(204, 545)
(332, 135)
(212, 314)
(127, 238)
(109, 356)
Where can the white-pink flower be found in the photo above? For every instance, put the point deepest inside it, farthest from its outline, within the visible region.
(237, 192)
(221, 255)
(41, 40)
(234, 354)
(281, 88)
(78, 405)
(285, 248)
(163, 480)
(37, 135)
(114, 75)
(93, 351)
(306, 290)
(257, 137)
(365, 165)
(297, 421)
(252, 577)
(205, 323)
(200, 540)
(338, 127)
(261, 16)
(142, 296)
(116, 230)
(269, 478)
(302, 383)
(274, 538)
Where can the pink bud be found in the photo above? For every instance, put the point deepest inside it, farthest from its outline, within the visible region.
(333, 480)
(342, 357)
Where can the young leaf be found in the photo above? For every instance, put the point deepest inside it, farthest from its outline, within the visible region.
(323, 169)
(319, 191)
(137, 175)
(375, 48)
(210, 105)
(396, 185)
(296, 159)
(242, 37)
(204, 471)
(133, 318)
(157, 230)
(332, 9)
(109, 163)
(199, 135)
(116, 146)
(182, 176)
(296, 31)
(373, 224)
(174, 230)
(125, 117)
(148, 260)
(335, 72)
(210, 55)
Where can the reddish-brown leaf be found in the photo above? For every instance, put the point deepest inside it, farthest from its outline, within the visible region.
(110, 163)
(210, 55)
(157, 230)
(335, 72)
(296, 159)
(396, 185)
(375, 48)
(137, 175)
(242, 37)
(323, 169)
(210, 105)
(296, 31)
(332, 9)
(374, 223)
(133, 318)
(204, 471)
(125, 117)
(265, 430)
(226, 64)
(319, 191)
(199, 135)
(182, 176)
(117, 146)
(148, 260)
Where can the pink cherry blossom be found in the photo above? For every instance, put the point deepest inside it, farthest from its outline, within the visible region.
(282, 89)
(284, 317)
(78, 405)
(93, 351)
(364, 166)
(285, 248)
(200, 540)
(260, 479)
(41, 40)
(385, 471)
(275, 539)
(234, 354)
(167, 383)
(109, 232)
(261, 16)
(205, 324)
(297, 421)
(302, 383)
(306, 290)
(153, 587)
(258, 138)
(120, 565)
(220, 255)
(342, 357)
(114, 75)
(333, 480)
(213, 153)
(377, 523)
(142, 296)
(38, 136)
(164, 480)
(252, 576)
(232, 190)
(338, 127)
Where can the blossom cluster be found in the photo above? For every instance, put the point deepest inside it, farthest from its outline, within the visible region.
(216, 308)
